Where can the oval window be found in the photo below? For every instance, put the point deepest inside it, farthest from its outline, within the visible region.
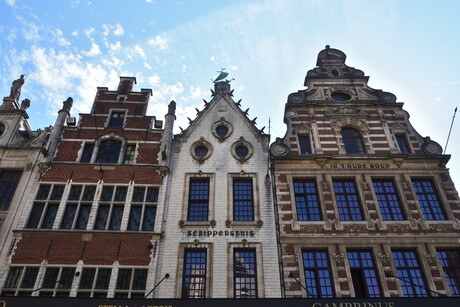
(340, 96)
(201, 151)
(222, 131)
(242, 151)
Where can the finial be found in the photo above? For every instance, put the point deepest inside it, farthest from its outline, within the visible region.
(328, 47)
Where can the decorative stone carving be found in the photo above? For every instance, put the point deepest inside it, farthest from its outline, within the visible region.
(221, 126)
(401, 113)
(430, 257)
(339, 258)
(384, 257)
(431, 148)
(212, 223)
(25, 104)
(292, 113)
(242, 150)
(279, 149)
(228, 223)
(16, 87)
(259, 223)
(296, 98)
(181, 223)
(163, 171)
(312, 228)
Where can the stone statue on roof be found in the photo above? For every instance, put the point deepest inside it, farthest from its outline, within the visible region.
(16, 88)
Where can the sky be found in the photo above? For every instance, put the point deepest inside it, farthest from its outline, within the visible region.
(71, 47)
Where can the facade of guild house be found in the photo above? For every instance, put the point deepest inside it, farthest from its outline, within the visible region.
(366, 204)
(21, 152)
(90, 222)
(220, 237)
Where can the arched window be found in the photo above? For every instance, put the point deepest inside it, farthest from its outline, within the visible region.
(109, 151)
(352, 141)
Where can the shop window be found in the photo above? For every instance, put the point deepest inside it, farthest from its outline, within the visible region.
(364, 274)
(306, 200)
(428, 199)
(410, 273)
(20, 281)
(388, 200)
(94, 282)
(347, 200)
(57, 282)
(318, 278)
(131, 283)
(9, 180)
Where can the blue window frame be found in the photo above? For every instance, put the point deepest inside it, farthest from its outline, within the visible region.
(198, 203)
(352, 141)
(244, 273)
(306, 200)
(363, 273)
(347, 200)
(450, 262)
(304, 145)
(194, 274)
(428, 198)
(317, 274)
(409, 273)
(402, 143)
(243, 202)
(388, 200)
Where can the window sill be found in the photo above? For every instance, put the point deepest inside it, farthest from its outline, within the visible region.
(255, 223)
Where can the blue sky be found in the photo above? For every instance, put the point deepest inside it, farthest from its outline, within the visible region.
(69, 47)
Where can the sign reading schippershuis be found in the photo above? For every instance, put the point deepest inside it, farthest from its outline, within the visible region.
(221, 233)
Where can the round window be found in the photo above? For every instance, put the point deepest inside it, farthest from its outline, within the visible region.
(335, 72)
(242, 151)
(221, 131)
(340, 96)
(201, 151)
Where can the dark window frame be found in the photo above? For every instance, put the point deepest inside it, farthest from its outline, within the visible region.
(81, 214)
(352, 141)
(191, 256)
(115, 204)
(428, 198)
(410, 273)
(131, 283)
(450, 262)
(304, 144)
(319, 280)
(245, 275)
(87, 153)
(9, 181)
(44, 210)
(58, 283)
(147, 204)
(388, 200)
(198, 200)
(348, 203)
(243, 199)
(403, 145)
(362, 265)
(109, 151)
(20, 281)
(117, 119)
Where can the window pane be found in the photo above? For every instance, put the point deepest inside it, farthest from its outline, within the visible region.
(30, 276)
(13, 277)
(243, 205)
(317, 274)
(35, 215)
(87, 153)
(149, 218)
(8, 182)
(450, 262)
(152, 195)
(402, 143)
(306, 200)
(138, 194)
(117, 119)
(50, 278)
(352, 141)
(83, 217)
(428, 199)
(129, 154)
(115, 219)
(245, 273)
(103, 278)
(194, 274)
(88, 195)
(109, 151)
(69, 215)
(86, 279)
(388, 200)
(409, 273)
(198, 200)
(75, 192)
(50, 215)
(43, 192)
(304, 144)
(124, 279)
(56, 194)
(140, 279)
(107, 192)
(66, 279)
(101, 218)
(135, 218)
(120, 194)
(347, 200)
(365, 280)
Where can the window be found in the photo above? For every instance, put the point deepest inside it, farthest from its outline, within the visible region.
(129, 154)
(241, 151)
(402, 143)
(363, 274)
(45, 206)
(194, 274)
(8, 182)
(409, 273)
(131, 283)
(306, 200)
(20, 281)
(198, 203)
(109, 152)
(143, 209)
(245, 273)
(111, 206)
(347, 200)
(117, 119)
(243, 203)
(428, 199)
(78, 207)
(450, 262)
(352, 141)
(304, 145)
(388, 200)
(57, 282)
(317, 274)
(94, 282)
(87, 153)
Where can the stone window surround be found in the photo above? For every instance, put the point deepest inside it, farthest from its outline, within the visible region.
(356, 123)
(400, 130)
(108, 137)
(185, 200)
(257, 246)
(201, 142)
(180, 265)
(242, 142)
(221, 122)
(255, 198)
(109, 117)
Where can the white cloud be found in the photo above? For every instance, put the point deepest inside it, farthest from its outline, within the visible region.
(212, 59)
(118, 30)
(10, 2)
(154, 80)
(114, 62)
(12, 36)
(93, 51)
(115, 47)
(147, 66)
(107, 29)
(140, 51)
(89, 32)
(149, 1)
(30, 32)
(196, 92)
(159, 42)
(75, 33)
(62, 41)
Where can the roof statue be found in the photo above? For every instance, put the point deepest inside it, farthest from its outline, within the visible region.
(220, 83)
(16, 88)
